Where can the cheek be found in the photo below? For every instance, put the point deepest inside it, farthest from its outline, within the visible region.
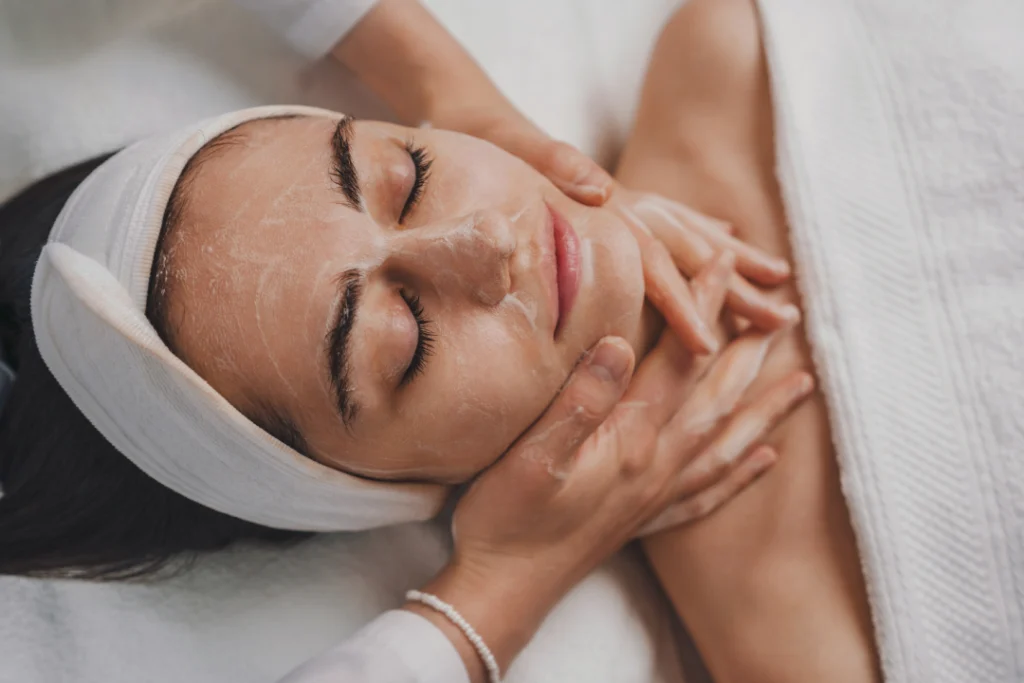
(469, 174)
(611, 281)
(617, 280)
(492, 386)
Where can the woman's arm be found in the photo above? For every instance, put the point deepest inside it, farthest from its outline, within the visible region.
(770, 587)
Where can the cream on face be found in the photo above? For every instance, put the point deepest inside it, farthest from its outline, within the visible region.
(449, 304)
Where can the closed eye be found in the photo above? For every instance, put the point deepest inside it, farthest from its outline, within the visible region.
(424, 340)
(422, 162)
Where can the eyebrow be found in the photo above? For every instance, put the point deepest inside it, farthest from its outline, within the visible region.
(350, 287)
(343, 171)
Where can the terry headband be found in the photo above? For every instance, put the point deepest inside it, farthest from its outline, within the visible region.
(89, 315)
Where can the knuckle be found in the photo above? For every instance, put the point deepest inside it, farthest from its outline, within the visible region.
(586, 403)
(589, 411)
(635, 461)
(608, 438)
(637, 424)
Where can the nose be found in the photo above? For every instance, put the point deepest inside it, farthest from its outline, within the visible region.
(466, 257)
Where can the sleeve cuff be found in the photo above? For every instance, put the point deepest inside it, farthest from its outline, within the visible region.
(325, 22)
(396, 647)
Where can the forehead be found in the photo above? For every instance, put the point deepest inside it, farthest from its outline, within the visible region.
(262, 224)
(251, 267)
(267, 192)
(266, 164)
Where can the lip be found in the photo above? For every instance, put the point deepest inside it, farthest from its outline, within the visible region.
(567, 266)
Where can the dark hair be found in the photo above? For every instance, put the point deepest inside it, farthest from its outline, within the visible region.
(72, 505)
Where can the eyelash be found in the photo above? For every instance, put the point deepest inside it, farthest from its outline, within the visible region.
(424, 341)
(422, 161)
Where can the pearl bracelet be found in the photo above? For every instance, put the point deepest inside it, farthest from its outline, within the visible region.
(436, 603)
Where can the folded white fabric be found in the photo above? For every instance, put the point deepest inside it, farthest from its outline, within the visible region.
(312, 27)
(898, 131)
(88, 312)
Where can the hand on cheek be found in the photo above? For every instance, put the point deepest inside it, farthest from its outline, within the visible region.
(608, 458)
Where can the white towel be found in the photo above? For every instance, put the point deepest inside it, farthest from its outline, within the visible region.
(900, 131)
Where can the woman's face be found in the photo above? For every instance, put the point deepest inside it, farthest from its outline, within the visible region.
(403, 322)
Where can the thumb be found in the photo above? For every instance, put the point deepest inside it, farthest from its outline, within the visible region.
(549, 447)
(572, 172)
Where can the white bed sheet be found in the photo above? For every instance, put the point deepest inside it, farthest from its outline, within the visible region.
(81, 78)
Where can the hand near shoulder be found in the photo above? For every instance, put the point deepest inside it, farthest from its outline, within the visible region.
(616, 455)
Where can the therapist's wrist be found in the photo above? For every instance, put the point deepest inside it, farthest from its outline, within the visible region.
(456, 105)
(503, 610)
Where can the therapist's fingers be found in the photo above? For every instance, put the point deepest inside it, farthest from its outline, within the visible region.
(691, 240)
(589, 396)
(573, 172)
(668, 292)
(716, 396)
(751, 262)
(749, 426)
(690, 253)
(570, 170)
(711, 287)
(709, 500)
(748, 301)
(669, 372)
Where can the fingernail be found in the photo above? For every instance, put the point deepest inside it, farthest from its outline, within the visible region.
(609, 362)
(806, 385)
(780, 266)
(790, 313)
(592, 182)
(580, 171)
(766, 457)
(593, 193)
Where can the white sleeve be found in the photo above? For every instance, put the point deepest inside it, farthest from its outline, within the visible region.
(312, 27)
(396, 647)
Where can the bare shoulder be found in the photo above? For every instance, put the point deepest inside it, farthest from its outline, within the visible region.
(705, 104)
(712, 39)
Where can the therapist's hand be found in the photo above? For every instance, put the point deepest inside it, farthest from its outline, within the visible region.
(412, 63)
(676, 240)
(500, 123)
(608, 459)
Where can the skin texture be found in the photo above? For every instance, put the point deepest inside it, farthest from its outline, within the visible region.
(252, 277)
(770, 586)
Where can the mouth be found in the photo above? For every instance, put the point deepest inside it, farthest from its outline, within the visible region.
(567, 267)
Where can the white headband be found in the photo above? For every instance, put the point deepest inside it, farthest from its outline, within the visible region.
(88, 311)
